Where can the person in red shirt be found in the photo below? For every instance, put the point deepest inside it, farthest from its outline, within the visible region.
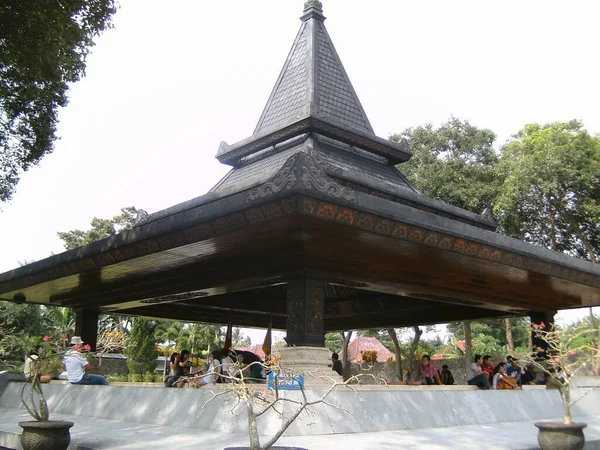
(488, 367)
(428, 373)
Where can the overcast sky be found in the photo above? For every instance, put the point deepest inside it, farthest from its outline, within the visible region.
(173, 79)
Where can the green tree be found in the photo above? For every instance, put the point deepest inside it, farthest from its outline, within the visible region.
(25, 317)
(455, 163)
(494, 328)
(43, 48)
(551, 193)
(334, 342)
(101, 228)
(141, 347)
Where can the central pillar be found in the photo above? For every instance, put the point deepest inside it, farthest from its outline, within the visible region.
(540, 319)
(86, 326)
(305, 325)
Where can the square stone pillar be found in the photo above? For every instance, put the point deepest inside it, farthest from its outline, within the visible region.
(86, 326)
(305, 322)
(541, 318)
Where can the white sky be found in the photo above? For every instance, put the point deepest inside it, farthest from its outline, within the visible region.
(175, 78)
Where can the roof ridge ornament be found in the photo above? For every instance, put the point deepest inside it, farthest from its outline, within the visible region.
(313, 9)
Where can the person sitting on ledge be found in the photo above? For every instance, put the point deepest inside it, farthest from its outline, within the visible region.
(336, 364)
(251, 363)
(488, 366)
(477, 376)
(428, 373)
(174, 372)
(446, 376)
(31, 361)
(77, 365)
(502, 380)
(528, 376)
(515, 371)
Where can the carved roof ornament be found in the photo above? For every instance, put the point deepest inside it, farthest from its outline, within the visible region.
(313, 4)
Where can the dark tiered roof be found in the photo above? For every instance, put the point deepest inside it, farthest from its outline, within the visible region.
(313, 192)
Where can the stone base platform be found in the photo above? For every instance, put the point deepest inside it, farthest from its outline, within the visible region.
(101, 412)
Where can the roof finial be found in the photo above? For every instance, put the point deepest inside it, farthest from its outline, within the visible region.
(313, 9)
(313, 4)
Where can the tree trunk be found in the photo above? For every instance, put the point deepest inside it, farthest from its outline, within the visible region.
(413, 349)
(346, 365)
(398, 353)
(509, 337)
(468, 346)
(252, 426)
(595, 366)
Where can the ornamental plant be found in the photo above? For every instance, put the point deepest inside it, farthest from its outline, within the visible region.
(15, 347)
(260, 398)
(565, 357)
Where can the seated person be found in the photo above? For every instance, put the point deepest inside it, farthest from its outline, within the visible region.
(174, 372)
(446, 376)
(226, 366)
(185, 363)
(501, 380)
(488, 366)
(515, 371)
(212, 372)
(251, 363)
(77, 365)
(477, 376)
(528, 375)
(428, 373)
(31, 364)
(336, 364)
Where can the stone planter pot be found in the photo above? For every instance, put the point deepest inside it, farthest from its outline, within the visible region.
(49, 435)
(276, 447)
(561, 436)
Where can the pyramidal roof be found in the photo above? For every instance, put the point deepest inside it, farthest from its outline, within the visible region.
(313, 94)
(313, 80)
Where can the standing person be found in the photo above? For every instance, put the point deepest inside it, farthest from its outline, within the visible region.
(509, 360)
(336, 364)
(477, 376)
(428, 373)
(446, 376)
(77, 365)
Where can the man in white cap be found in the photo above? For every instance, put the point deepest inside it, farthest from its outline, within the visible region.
(76, 365)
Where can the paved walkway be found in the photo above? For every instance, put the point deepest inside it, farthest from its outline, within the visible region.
(96, 434)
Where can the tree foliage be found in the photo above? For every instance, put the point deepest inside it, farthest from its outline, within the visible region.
(43, 48)
(141, 347)
(551, 193)
(455, 163)
(101, 228)
(494, 329)
(25, 317)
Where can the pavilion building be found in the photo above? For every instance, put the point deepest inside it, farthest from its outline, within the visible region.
(314, 228)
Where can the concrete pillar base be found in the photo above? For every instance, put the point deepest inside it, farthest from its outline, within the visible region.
(311, 362)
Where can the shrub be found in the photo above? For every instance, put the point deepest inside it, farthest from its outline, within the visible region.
(369, 356)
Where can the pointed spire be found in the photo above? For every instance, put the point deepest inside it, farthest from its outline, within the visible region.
(313, 94)
(313, 81)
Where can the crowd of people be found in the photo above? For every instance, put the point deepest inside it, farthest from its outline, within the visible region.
(485, 374)
(222, 366)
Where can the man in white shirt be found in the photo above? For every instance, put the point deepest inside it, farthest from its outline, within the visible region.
(477, 376)
(76, 365)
